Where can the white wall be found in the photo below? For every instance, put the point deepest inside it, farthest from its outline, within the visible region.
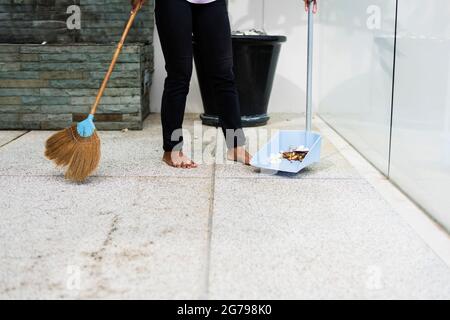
(281, 17)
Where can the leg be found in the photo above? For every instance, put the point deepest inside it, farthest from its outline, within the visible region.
(174, 23)
(211, 28)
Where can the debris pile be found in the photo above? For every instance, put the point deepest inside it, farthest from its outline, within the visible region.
(294, 154)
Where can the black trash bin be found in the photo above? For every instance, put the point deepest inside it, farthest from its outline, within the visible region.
(255, 63)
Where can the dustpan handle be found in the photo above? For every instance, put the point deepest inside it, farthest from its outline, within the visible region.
(311, 11)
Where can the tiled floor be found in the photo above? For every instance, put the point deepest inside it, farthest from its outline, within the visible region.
(139, 229)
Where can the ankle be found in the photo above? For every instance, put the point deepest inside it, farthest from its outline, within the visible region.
(236, 149)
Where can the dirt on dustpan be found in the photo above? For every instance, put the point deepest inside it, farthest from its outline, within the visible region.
(294, 154)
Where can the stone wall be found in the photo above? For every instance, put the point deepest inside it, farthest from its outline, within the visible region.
(48, 86)
(102, 21)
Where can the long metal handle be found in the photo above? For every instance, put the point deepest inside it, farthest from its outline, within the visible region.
(115, 57)
(310, 67)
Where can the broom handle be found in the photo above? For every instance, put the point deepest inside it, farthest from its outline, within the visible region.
(116, 56)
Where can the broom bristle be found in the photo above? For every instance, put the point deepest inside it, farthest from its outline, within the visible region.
(80, 155)
(60, 147)
(85, 159)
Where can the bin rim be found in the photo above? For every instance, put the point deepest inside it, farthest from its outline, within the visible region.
(259, 38)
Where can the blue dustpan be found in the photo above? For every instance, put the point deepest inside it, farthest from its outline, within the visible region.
(283, 141)
(266, 158)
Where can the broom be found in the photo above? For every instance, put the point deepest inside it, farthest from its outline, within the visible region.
(78, 147)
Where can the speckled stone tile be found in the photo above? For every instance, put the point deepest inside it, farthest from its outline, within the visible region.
(140, 230)
(288, 239)
(109, 238)
(131, 153)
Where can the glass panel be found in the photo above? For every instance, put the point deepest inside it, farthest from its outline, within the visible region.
(420, 159)
(355, 66)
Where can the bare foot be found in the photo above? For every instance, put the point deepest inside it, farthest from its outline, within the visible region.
(178, 160)
(239, 154)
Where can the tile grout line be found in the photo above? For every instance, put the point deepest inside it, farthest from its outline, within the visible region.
(291, 179)
(209, 233)
(101, 177)
(181, 177)
(14, 139)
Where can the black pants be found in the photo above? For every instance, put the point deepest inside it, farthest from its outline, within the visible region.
(178, 21)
